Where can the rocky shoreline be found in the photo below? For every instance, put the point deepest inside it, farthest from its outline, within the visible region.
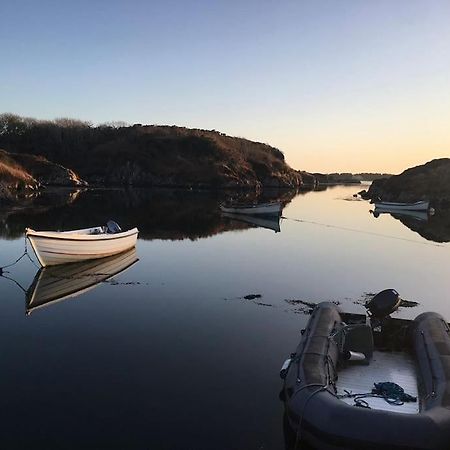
(430, 181)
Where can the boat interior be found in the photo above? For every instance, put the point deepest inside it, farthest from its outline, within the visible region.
(111, 227)
(390, 360)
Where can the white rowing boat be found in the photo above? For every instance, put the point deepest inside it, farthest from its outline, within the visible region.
(397, 206)
(268, 209)
(55, 247)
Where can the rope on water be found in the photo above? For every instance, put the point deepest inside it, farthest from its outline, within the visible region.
(15, 282)
(25, 253)
(355, 230)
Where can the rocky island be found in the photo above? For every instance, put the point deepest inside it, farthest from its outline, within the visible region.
(430, 181)
(144, 155)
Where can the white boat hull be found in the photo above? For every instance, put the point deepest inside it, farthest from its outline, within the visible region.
(52, 248)
(393, 206)
(268, 209)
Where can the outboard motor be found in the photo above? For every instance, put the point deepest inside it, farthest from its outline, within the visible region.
(112, 227)
(384, 303)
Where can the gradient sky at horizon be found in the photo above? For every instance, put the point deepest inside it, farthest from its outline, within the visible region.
(350, 85)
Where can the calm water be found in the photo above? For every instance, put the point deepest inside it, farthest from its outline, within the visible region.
(168, 354)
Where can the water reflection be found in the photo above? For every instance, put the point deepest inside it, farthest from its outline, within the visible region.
(416, 215)
(270, 222)
(434, 228)
(159, 213)
(93, 361)
(55, 283)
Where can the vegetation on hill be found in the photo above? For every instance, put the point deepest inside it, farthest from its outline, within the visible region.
(115, 154)
(12, 173)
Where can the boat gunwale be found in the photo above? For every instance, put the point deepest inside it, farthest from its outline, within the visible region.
(78, 237)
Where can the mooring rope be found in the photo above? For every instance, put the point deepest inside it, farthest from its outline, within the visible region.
(355, 230)
(15, 282)
(25, 253)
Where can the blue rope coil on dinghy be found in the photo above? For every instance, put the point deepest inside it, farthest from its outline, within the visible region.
(391, 392)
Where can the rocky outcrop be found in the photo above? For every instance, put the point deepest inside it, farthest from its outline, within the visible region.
(22, 172)
(430, 181)
(150, 155)
(48, 173)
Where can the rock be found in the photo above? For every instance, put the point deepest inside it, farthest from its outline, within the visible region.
(252, 296)
(24, 173)
(430, 181)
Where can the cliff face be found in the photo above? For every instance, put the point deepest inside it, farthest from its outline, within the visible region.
(430, 181)
(28, 172)
(150, 155)
(48, 173)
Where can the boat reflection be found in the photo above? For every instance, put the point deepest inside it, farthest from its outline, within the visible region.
(434, 227)
(175, 214)
(417, 215)
(269, 222)
(55, 283)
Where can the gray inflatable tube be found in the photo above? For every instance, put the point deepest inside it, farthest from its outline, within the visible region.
(318, 417)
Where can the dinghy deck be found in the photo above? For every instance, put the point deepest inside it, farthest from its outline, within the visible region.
(397, 367)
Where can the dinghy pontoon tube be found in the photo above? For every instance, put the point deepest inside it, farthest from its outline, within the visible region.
(322, 419)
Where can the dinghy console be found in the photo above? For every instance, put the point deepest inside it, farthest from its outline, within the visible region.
(357, 343)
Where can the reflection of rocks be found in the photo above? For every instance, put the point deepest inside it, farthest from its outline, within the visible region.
(158, 213)
(431, 227)
(436, 229)
(27, 207)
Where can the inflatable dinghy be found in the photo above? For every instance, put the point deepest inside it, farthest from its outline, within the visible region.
(348, 386)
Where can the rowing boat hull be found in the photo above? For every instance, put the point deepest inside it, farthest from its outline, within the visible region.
(268, 209)
(52, 248)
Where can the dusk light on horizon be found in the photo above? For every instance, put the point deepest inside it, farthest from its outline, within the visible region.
(336, 85)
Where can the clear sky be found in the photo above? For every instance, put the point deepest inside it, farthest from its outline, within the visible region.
(338, 85)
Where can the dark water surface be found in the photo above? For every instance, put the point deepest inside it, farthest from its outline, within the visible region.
(168, 354)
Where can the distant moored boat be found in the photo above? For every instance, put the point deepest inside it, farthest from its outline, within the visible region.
(268, 209)
(55, 247)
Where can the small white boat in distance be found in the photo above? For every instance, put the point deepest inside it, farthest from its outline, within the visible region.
(61, 247)
(268, 209)
(395, 206)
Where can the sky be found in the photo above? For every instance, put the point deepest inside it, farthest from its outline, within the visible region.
(337, 85)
